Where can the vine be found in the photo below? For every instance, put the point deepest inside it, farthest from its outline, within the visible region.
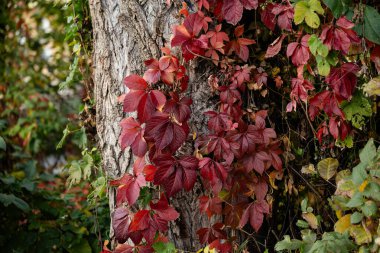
(240, 157)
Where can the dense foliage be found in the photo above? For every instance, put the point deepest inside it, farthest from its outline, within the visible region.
(266, 60)
(39, 95)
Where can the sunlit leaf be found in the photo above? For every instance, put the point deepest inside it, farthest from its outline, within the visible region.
(327, 168)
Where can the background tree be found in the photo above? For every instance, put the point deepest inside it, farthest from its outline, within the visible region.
(126, 33)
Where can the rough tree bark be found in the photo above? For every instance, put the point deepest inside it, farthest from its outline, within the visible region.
(127, 32)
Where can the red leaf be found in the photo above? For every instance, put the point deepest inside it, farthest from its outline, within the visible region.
(146, 102)
(129, 188)
(299, 52)
(234, 110)
(285, 14)
(132, 135)
(175, 174)
(166, 132)
(120, 224)
(239, 46)
(165, 69)
(375, 57)
(140, 221)
(163, 210)
(210, 206)
(241, 75)
(132, 100)
(261, 189)
(274, 151)
(218, 122)
(343, 80)
(124, 248)
(208, 235)
(250, 4)
(333, 127)
(300, 87)
(214, 172)
(243, 139)
(341, 36)
(185, 36)
(135, 82)
(149, 172)
(203, 3)
(179, 108)
(275, 47)
(229, 94)
(326, 101)
(233, 214)
(256, 160)
(220, 148)
(267, 16)
(255, 214)
(260, 132)
(233, 11)
(222, 247)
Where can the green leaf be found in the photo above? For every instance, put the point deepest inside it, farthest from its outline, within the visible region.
(86, 164)
(356, 217)
(356, 200)
(307, 11)
(145, 196)
(346, 143)
(357, 110)
(302, 224)
(359, 173)
(66, 133)
(327, 168)
(80, 138)
(82, 247)
(338, 7)
(71, 77)
(331, 241)
(323, 66)
(75, 173)
(332, 58)
(21, 204)
(372, 24)
(368, 153)
(3, 145)
(7, 199)
(99, 186)
(161, 247)
(369, 209)
(288, 244)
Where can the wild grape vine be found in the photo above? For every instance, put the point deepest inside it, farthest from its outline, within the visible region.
(239, 157)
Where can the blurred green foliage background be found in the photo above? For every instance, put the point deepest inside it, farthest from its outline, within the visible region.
(45, 94)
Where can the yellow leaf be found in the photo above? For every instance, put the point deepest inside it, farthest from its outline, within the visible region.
(363, 186)
(338, 213)
(373, 87)
(311, 219)
(343, 224)
(360, 234)
(328, 167)
(308, 169)
(208, 250)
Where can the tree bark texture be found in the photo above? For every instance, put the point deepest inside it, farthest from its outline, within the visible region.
(126, 33)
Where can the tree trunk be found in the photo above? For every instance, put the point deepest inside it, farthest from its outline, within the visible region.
(126, 33)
